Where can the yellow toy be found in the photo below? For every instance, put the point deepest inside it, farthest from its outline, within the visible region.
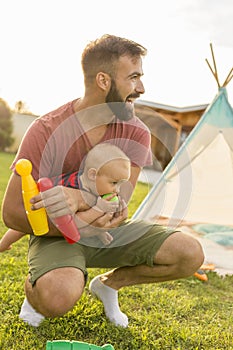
(37, 218)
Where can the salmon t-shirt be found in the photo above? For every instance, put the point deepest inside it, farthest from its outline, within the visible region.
(56, 143)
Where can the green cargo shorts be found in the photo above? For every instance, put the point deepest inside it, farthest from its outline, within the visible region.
(134, 243)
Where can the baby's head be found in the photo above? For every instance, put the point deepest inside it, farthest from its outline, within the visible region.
(106, 168)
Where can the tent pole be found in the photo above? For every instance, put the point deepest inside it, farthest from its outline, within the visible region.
(215, 67)
(228, 78)
(212, 71)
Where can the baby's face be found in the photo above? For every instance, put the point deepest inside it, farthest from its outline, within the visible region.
(110, 176)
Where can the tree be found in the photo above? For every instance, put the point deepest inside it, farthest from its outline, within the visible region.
(22, 108)
(6, 126)
(19, 106)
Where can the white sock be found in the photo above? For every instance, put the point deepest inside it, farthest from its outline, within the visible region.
(109, 297)
(29, 315)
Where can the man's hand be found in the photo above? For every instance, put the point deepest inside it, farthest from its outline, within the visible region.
(60, 200)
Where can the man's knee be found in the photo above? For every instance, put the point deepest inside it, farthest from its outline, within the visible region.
(183, 252)
(191, 256)
(194, 257)
(57, 291)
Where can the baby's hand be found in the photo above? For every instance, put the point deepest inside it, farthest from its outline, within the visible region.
(105, 238)
(106, 206)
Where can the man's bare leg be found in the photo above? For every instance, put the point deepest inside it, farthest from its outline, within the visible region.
(178, 257)
(54, 294)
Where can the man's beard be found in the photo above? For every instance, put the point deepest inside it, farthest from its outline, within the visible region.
(122, 110)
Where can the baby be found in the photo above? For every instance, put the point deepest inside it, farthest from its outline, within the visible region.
(106, 167)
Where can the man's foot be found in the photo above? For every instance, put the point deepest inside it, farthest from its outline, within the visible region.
(109, 298)
(30, 315)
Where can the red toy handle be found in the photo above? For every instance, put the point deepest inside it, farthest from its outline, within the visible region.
(65, 223)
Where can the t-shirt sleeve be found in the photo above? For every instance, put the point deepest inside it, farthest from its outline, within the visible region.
(32, 146)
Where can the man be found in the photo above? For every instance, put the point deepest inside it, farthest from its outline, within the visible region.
(140, 252)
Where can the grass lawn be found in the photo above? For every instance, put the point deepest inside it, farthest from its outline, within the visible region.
(185, 314)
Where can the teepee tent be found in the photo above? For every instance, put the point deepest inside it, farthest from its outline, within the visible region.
(197, 185)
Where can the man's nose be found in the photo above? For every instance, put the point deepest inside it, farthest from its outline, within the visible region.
(140, 87)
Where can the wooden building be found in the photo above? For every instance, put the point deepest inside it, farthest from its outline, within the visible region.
(169, 127)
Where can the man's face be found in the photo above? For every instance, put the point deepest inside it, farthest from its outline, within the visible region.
(126, 87)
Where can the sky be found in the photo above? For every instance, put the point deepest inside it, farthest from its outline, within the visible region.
(42, 42)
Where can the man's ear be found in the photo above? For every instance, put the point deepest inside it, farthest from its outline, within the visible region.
(92, 174)
(103, 80)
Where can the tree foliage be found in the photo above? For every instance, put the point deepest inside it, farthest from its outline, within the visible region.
(22, 108)
(6, 126)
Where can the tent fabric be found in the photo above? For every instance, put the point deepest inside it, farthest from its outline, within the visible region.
(217, 233)
(196, 187)
(197, 184)
(217, 254)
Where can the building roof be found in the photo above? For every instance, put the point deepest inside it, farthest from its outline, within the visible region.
(159, 106)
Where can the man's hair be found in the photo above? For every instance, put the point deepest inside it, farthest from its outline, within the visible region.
(101, 55)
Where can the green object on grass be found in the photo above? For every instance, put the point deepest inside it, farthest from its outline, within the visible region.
(75, 345)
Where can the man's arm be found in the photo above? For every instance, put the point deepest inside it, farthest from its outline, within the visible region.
(59, 201)
(13, 212)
